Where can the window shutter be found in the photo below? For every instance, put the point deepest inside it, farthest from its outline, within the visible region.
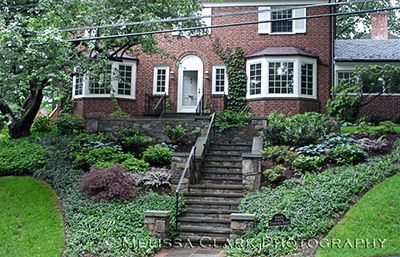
(300, 26)
(264, 28)
(207, 21)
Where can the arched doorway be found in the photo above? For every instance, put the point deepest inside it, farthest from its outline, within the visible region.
(190, 83)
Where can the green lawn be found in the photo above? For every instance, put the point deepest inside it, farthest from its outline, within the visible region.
(30, 222)
(375, 216)
(356, 129)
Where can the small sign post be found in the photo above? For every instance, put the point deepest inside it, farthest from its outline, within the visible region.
(278, 220)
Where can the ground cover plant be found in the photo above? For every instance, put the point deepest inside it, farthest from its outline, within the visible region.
(312, 202)
(103, 229)
(374, 216)
(31, 223)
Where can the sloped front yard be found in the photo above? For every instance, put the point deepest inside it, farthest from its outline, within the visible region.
(375, 217)
(31, 223)
(312, 202)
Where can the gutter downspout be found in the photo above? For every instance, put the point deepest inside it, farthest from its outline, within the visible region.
(332, 38)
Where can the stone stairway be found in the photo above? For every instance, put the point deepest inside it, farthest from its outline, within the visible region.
(217, 195)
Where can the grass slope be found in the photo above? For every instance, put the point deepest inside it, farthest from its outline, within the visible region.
(375, 216)
(30, 222)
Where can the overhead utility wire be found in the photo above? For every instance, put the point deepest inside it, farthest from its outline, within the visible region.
(214, 16)
(231, 25)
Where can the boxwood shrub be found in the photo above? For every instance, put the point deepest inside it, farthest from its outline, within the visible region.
(312, 203)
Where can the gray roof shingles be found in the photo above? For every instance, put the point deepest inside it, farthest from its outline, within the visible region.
(367, 50)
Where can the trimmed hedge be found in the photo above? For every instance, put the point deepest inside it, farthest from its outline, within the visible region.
(311, 202)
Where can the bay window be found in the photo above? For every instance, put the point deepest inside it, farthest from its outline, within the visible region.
(119, 80)
(273, 76)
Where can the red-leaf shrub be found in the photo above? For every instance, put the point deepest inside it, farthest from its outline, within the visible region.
(108, 184)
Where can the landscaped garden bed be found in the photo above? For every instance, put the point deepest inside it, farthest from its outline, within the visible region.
(105, 182)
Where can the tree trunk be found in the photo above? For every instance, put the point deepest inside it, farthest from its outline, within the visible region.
(22, 127)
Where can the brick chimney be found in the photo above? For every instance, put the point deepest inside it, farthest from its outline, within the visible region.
(380, 26)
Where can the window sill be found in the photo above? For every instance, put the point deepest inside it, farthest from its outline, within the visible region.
(280, 97)
(104, 97)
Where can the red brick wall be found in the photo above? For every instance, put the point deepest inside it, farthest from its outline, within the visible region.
(386, 106)
(315, 41)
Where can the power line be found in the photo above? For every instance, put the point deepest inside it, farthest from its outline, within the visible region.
(214, 16)
(231, 25)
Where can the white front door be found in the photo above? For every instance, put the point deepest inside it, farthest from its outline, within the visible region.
(189, 92)
(190, 84)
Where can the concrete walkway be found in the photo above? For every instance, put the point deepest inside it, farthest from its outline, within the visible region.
(191, 252)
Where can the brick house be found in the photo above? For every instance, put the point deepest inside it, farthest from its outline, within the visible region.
(378, 48)
(289, 65)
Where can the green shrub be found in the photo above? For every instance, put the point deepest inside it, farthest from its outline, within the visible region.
(132, 140)
(106, 157)
(4, 133)
(389, 127)
(312, 202)
(231, 119)
(308, 163)
(348, 154)
(21, 157)
(158, 156)
(275, 173)
(298, 130)
(134, 165)
(280, 154)
(42, 124)
(177, 135)
(120, 114)
(68, 124)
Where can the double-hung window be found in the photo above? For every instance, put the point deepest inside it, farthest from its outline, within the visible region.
(78, 84)
(307, 79)
(160, 80)
(281, 25)
(101, 85)
(281, 78)
(255, 78)
(344, 76)
(220, 80)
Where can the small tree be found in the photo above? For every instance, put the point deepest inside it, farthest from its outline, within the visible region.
(366, 85)
(36, 60)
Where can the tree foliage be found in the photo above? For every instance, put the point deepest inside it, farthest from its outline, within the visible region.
(358, 26)
(366, 85)
(36, 61)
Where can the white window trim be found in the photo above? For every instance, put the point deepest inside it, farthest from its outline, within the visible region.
(114, 83)
(252, 62)
(297, 61)
(298, 26)
(214, 80)
(155, 75)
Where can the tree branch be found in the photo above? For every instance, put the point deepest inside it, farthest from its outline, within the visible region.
(5, 109)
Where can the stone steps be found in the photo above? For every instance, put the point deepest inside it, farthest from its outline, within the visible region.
(211, 202)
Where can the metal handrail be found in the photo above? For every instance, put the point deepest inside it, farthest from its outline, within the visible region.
(160, 101)
(200, 105)
(178, 188)
(210, 127)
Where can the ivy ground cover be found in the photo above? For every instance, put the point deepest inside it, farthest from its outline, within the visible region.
(312, 202)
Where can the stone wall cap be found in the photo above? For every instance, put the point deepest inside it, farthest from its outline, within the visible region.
(243, 216)
(157, 214)
(180, 154)
(252, 156)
